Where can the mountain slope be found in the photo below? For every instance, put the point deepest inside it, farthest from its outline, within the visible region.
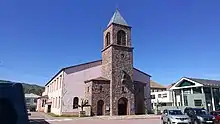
(28, 88)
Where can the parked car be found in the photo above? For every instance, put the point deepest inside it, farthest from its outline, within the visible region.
(174, 116)
(216, 114)
(199, 115)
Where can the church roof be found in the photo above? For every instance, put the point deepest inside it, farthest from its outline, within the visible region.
(98, 79)
(117, 19)
(85, 66)
(154, 84)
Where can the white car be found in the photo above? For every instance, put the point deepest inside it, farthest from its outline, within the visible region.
(174, 116)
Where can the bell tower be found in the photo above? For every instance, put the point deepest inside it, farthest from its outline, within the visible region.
(117, 65)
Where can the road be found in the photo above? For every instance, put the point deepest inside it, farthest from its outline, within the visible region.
(40, 118)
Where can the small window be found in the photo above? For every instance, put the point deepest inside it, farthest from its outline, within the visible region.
(164, 95)
(75, 102)
(185, 100)
(198, 102)
(59, 102)
(28, 100)
(152, 96)
(43, 102)
(121, 38)
(197, 90)
(159, 95)
(107, 39)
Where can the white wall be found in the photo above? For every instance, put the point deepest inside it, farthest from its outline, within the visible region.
(54, 92)
(162, 99)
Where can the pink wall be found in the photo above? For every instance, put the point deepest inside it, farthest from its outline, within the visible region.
(74, 85)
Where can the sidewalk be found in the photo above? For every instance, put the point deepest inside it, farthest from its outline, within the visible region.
(39, 115)
(127, 117)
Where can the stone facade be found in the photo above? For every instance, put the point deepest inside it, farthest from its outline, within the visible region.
(116, 60)
(98, 90)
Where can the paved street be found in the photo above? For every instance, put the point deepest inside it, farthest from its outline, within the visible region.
(41, 118)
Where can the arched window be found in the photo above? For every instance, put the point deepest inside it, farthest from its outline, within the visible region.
(75, 102)
(121, 38)
(107, 39)
(56, 102)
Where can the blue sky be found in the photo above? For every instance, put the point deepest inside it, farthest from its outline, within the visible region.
(172, 38)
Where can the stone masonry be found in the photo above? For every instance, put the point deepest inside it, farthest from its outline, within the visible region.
(116, 59)
(98, 89)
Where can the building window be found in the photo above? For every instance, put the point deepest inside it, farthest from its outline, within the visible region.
(152, 96)
(164, 95)
(197, 90)
(187, 91)
(56, 102)
(159, 95)
(59, 102)
(43, 103)
(60, 81)
(121, 38)
(207, 90)
(107, 39)
(198, 102)
(185, 100)
(75, 102)
(28, 100)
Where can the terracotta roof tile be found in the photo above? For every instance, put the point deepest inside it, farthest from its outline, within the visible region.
(154, 84)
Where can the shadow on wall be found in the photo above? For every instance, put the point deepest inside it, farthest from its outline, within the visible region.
(38, 121)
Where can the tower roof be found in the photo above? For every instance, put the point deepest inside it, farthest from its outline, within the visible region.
(117, 19)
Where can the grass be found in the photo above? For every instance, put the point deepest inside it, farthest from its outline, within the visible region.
(54, 115)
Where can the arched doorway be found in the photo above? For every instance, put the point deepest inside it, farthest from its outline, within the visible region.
(122, 106)
(100, 107)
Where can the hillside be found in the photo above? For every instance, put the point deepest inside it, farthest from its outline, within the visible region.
(28, 88)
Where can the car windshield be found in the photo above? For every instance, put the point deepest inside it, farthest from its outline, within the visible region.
(200, 112)
(175, 112)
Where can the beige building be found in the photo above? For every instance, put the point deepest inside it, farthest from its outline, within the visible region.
(111, 86)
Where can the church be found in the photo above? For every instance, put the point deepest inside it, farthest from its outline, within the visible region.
(110, 86)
